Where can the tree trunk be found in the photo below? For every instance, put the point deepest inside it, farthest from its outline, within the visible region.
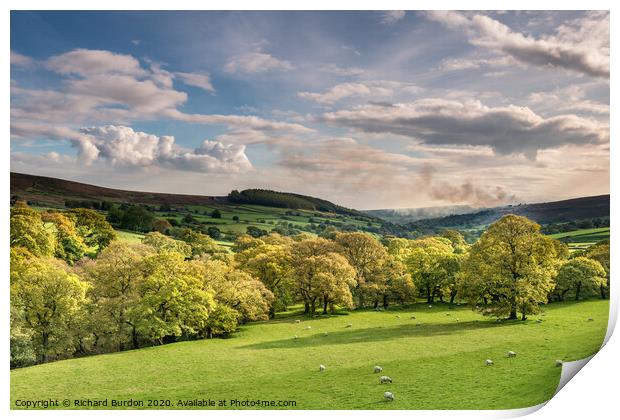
(602, 291)
(577, 291)
(134, 337)
(313, 306)
(428, 295)
(385, 301)
(376, 304)
(306, 307)
(452, 296)
(324, 305)
(523, 316)
(513, 313)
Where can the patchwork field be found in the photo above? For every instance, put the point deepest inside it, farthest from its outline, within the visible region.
(435, 360)
(582, 238)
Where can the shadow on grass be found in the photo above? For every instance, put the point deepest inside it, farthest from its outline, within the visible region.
(376, 334)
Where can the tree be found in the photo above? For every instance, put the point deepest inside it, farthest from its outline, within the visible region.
(216, 214)
(334, 279)
(365, 254)
(600, 252)
(162, 226)
(271, 264)
(70, 246)
(214, 232)
(236, 289)
(200, 244)
(116, 277)
(580, 275)
(255, 232)
(163, 243)
(92, 227)
(173, 300)
(29, 231)
(235, 218)
(430, 262)
(137, 218)
(513, 265)
(46, 296)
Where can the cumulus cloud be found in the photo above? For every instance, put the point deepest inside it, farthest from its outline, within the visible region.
(120, 145)
(392, 16)
(199, 80)
(568, 99)
(84, 62)
(581, 45)
(256, 62)
(506, 129)
(381, 88)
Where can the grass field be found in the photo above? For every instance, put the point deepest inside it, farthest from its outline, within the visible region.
(438, 364)
(582, 238)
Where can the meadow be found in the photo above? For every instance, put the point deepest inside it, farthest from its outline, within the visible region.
(437, 361)
(582, 238)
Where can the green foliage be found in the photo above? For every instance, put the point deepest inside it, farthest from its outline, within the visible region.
(92, 227)
(512, 266)
(581, 275)
(70, 246)
(28, 231)
(163, 243)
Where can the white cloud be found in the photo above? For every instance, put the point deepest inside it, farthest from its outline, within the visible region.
(392, 16)
(342, 71)
(21, 60)
(581, 45)
(506, 129)
(85, 63)
(380, 88)
(123, 146)
(256, 62)
(199, 80)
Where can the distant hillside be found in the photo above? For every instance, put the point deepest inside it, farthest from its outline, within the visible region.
(289, 201)
(543, 213)
(54, 192)
(412, 214)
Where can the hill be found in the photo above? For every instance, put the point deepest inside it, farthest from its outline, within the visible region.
(436, 362)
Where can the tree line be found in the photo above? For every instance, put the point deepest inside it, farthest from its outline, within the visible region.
(76, 290)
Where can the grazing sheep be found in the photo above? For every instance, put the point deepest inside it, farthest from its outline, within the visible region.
(349, 325)
(512, 354)
(418, 324)
(385, 379)
(308, 327)
(388, 396)
(378, 369)
(448, 314)
(430, 306)
(325, 333)
(488, 362)
(539, 321)
(398, 316)
(457, 320)
(559, 363)
(321, 368)
(590, 319)
(412, 317)
(297, 321)
(295, 338)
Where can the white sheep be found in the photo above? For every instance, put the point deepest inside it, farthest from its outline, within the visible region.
(430, 306)
(385, 379)
(325, 333)
(308, 327)
(448, 314)
(488, 362)
(388, 396)
(321, 368)
(297, 321)
(590, 319)
(378, 369)
(295, 338)
(412, 317)
(559, 363)
(398, 316)
(512, 354)
(457, 320)
(349, 325)
(539, 321)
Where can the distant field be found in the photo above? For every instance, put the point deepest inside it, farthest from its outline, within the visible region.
(436, 361)
(582, 238)
(131, 237)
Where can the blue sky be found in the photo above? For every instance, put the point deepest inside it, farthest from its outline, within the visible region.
(367, 109)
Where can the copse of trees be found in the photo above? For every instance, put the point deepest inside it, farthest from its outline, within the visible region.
(75, 290)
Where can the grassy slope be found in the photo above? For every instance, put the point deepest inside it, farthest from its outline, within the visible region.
(582, 238)
(437, 365)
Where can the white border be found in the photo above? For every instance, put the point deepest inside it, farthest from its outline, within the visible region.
(592, 395)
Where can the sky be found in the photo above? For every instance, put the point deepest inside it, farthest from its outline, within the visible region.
(374, 109)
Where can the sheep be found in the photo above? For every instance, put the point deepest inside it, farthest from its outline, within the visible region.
(325, 333)
(308, 327)
(590, 319)
(418, 324)
(488, 362)
(430, 306)
(511, 354)
(385, 379)
(349, 325)
(539, 321)
(295, 338)
(412, 317)
(321, 368)
(398, 316)
(378, 369)
(457, 320)
(388, 396)
(297, 321)
(448, 314)
(559, 363)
